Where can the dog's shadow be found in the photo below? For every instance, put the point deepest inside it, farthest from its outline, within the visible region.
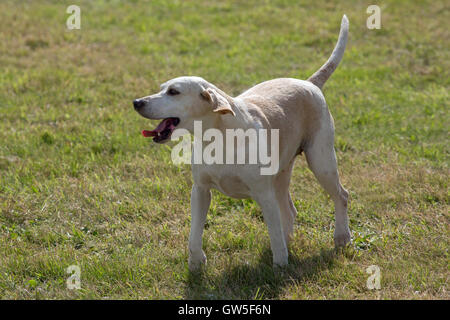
(258, 281)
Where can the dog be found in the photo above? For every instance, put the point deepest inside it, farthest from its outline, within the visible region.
(297, 108)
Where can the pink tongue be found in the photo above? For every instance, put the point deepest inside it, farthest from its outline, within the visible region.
(165, 124)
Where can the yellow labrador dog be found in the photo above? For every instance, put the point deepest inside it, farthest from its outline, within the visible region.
(297, 108)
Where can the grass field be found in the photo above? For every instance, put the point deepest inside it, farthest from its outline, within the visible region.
(80, 185)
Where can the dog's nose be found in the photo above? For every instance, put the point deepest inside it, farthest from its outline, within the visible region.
(138, 104)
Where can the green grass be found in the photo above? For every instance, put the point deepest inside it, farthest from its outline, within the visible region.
(80, 186)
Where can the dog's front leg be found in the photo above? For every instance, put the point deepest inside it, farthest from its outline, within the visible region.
(200, 200)
(272, 216)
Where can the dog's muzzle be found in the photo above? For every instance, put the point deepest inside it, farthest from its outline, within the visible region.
(138, 104)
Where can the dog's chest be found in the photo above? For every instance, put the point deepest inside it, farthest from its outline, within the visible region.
(229, 182)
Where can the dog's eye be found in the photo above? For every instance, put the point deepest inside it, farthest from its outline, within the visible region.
(172, 92)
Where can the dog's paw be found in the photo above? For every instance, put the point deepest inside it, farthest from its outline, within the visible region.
(280, 261)
(196, 262)
(342, 239)
(280, 267)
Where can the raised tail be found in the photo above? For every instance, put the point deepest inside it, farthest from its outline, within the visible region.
(321, 76)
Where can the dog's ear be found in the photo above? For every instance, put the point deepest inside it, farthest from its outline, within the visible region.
(219, 103)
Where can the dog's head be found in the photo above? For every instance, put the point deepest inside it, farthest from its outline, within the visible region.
(181, 101)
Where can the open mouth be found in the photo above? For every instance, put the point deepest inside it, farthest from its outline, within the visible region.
(163, 131)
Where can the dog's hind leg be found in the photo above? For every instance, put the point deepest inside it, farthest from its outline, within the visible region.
(271, 208)
(288, 211)
(321, 159)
